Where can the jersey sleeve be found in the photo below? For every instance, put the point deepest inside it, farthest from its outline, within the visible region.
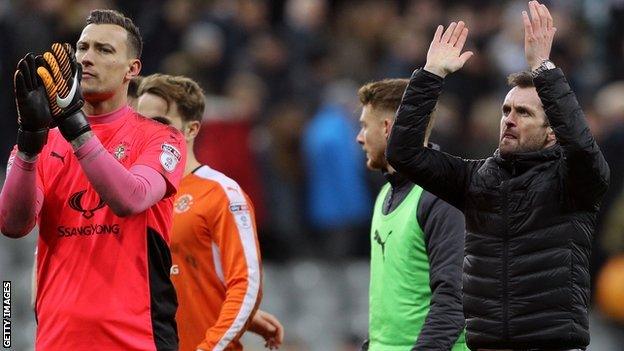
(21, 197)
(165, 151)
(39, 177)
(234, 232)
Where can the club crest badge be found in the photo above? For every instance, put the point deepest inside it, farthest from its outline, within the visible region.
(121, 151)
(183, 203)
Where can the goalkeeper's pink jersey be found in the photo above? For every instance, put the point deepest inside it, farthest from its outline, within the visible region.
(103, 280)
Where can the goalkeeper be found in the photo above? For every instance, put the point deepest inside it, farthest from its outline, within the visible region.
(100, 187)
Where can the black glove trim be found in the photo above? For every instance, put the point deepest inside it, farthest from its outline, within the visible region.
(31, 142)
(74, 125)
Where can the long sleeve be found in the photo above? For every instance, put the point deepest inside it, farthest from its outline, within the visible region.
(125, 191)
(21, 199)
(444, 229)
(586, 166)
(444, 175)
(234, 233)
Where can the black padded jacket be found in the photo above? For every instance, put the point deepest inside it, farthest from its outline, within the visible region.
(529, 219)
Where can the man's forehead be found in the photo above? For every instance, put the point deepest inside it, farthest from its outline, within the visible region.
(375, 112)
(523, 96)
(111, 34)
(152, 105)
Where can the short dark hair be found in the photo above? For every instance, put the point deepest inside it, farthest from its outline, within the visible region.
(522, 79)
(384, 94)
(135, 42)
(133, 87)
(182, 91)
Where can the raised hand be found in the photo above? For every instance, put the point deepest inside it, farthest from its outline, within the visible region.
(538, 34)
(445, 52)
(34, 116)
(61, 75)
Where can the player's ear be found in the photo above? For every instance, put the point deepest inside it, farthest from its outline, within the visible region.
(134, 69)
(550, 135)
(191, 130)
(387, 127)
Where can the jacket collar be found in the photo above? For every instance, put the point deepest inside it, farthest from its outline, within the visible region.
(521, 162)
(395, 179)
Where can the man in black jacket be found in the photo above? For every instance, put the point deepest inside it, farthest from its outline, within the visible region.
(530, 209)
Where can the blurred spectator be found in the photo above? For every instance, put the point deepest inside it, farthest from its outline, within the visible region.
(284, 235)
(338, 201)
(225, 138)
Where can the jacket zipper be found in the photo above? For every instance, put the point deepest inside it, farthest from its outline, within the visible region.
(506, 254)
(505, 273)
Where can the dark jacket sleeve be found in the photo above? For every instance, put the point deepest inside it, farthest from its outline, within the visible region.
(444, 175)
(444, 230)
(586, 166)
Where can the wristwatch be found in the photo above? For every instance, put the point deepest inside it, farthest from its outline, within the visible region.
(546, 65)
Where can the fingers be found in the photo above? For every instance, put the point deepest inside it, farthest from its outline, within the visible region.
(457, 32)
(279, 338)
(27, 66)
(20, 85)
(437, 36)
(448, 33)
(50, 87)
(528, 28)
(59, 80)
(462, 39)
(540, 16)
(535, 17)
(465, 57)
(549, 19)
(62, 56)
(541, 9)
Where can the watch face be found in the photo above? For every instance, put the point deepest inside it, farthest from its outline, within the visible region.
(549, 65)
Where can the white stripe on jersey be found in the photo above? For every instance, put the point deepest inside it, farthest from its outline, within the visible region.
(248, 239)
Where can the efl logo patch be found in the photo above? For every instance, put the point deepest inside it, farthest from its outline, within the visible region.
(183, 203)
(169, 157)
(239, 207)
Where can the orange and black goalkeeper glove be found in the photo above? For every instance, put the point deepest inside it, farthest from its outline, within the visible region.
(33, 111)
(61, 76)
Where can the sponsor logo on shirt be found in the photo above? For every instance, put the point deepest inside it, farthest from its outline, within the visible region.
(75, 202)
(183, 203)
(382, 243)
(240, 210)
(90, 229)
(239, 207)
(169, 157)
(59, 156)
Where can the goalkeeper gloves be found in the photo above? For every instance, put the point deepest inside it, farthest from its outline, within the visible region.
(61, 76)
(33, 110)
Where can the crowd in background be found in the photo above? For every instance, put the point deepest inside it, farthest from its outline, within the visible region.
(281, 79)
